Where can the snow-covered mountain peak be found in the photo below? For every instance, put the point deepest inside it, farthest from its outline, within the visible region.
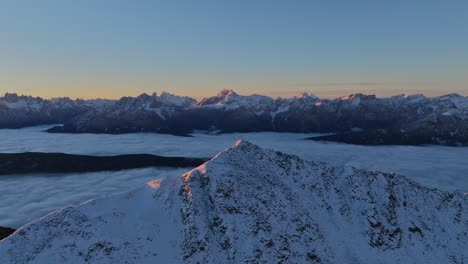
(357, 96)
(229, 100)
(221, 98)
(11, 97)
(240, 146)
(252, 205)
(450, 95)
(14, 98)
(415, 98)
(145, 96)
(268, 206)
(460, 102)
(242, 142)
(21, 102)
(175, 100)
(225, 93)
(306, 95)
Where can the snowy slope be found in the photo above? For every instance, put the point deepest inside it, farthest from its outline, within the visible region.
(136, 227)
(257, 206)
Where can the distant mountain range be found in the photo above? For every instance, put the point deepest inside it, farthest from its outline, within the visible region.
(251, 205)
(401, 119)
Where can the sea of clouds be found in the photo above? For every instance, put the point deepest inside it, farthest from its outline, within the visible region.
(24, 198)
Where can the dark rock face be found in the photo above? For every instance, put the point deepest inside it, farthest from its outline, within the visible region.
(439, 120)
(5, 232)
(22, 163)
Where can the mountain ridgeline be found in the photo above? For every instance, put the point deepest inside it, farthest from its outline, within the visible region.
(251, 205)
(400, 119)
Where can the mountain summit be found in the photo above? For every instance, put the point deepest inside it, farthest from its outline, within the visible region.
(252, 205)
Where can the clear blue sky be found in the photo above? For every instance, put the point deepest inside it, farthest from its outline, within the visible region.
(92, 48)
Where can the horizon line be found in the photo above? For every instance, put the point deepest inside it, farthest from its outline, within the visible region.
(272, 94)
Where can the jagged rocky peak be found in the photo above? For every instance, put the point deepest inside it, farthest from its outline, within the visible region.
(357, 96)
(222, 97)
(225, 93)
(415, 98)
(68, 99)
(253, 205)
(303, 99)
(11, 97)
(165, 98)
(14, 97)
(460, 102)
(230, 100)
(145, 96)
(412, 98)
(21, 102)
(175, 100)
(450, 95)
(306, 95)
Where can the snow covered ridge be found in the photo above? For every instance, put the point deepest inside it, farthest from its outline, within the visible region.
(253, 205)
(438, 120)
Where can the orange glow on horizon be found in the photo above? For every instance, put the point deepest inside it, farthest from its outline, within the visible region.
(198, 92)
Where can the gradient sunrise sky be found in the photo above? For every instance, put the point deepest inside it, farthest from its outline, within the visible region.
(97, 48)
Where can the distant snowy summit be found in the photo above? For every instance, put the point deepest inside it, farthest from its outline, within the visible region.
(251, 205)
(400, 119)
